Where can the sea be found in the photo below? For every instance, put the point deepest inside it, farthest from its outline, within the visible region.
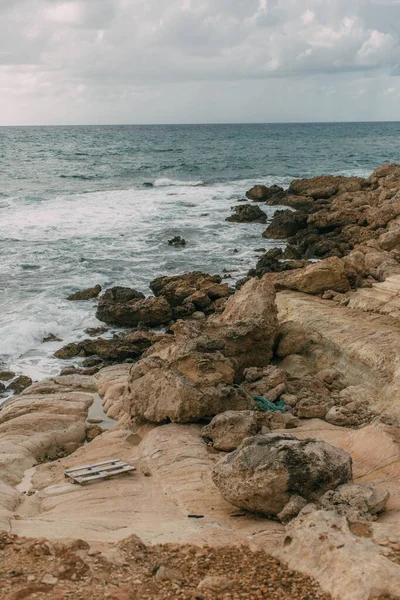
(81, 206)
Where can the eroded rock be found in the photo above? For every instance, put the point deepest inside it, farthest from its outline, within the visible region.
(228, 430)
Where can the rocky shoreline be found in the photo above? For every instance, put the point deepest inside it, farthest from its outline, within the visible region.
(266, 415)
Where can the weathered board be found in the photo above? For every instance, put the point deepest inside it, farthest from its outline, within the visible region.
(100, 470)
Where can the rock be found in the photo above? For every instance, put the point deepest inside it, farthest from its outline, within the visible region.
(127, 310)
(280, 420)
(215, 584)
(87, 294)
(6, 375)
(129, 345)
(292, 508)
(93, 431)
(177, 288)
(228, 430)
(247, 213)
(19, 384)
(349, 567)
(390, 240)
(317, 278)
(267, 470)
(177, 241)
(49, 579)
(292, 339)
(247, 326)
(2, 387)
(261, 193)
(51, 338)
(325, 186)
(95, 331)
(285, 223)
(353, 415)
(269, 382)
(355, 501)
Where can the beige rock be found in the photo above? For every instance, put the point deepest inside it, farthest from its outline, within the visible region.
(329, 274)
(228, 430)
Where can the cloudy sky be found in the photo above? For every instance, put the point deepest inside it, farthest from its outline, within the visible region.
(187, 61)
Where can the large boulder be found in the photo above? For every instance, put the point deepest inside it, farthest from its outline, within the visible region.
(127, 307)
(285, 223)
(265, 472)
(317, 278)
(228, 430)
(248, 325)
(325, 186)
(87, 294)
(248, 213)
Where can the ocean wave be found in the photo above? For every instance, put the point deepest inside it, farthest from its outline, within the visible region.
(165, 182)
(83, 177)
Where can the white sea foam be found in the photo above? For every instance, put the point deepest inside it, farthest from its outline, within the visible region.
(165, 182)
(52, 247)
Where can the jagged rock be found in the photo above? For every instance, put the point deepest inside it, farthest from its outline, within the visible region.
(269, 382)
(95, 331)
(353, 414)
(93, 431)
(87, 294)
(271, 262)
(19, 384)
(177, 288)
(248, 213)
(325, 186)
(281, 420)
(285, 223)
(129, 345)
(317, 278)
(228, 430)
(177, 241)
(261, 193)
(267, 470)
(128, 308)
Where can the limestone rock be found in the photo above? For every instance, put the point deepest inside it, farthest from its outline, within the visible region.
(266, 470)
(355, 500)
(228, 430)
(261, 193)
(292, 339)
(87, 294)
(177, 288)
(269, 382)
(317, 278)
(324, 186)
(248, 213)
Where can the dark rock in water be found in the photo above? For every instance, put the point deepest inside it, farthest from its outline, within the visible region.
(259, 250)
(93, 331)
(6, 375)
(247, 213)
(271, 262)
(284, 224)
(2, 387)
(261, 193)
(91, 362)
(129, 345)
(51, 338)
(127, 307)
(19, 384)
(87, 294)
(266, 471)
(148, 184)
(177, 241)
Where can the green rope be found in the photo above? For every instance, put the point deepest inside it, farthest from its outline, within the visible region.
(264, 405)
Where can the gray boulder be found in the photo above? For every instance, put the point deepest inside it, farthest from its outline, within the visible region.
(266, 470)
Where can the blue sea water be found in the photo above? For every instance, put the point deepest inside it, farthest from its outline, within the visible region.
(87, 205)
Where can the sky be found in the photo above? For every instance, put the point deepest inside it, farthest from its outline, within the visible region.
(198, 61)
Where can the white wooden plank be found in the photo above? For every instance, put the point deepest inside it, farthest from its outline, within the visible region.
(99, 464)
(81, 472)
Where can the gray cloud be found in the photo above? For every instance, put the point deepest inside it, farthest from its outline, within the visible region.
(60, 56)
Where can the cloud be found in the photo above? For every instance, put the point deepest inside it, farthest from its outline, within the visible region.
(78, 49)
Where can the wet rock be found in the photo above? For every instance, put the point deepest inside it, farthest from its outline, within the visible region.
(127, 308)
(95, 331)
(177, 241)
(87, 294)
(248, 213)
(262, 193)
(228, 430)
(2, 387)
(267, 470)
(129, 345)
(51, 338)
(19, 384)
(6, 375)
(285, 223)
